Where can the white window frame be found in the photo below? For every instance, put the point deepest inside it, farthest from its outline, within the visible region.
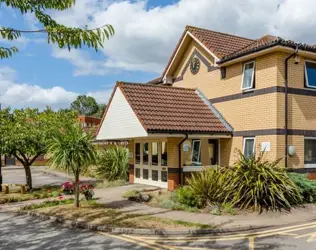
(306, 75)
(254, 144)
(193, 141)
(252, 78)
(308, 165)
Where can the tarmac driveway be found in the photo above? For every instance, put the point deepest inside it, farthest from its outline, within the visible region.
(16, 175)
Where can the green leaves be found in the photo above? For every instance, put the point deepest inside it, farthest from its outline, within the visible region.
(113, 163)
(7, 52)
(71, 149)
(85, 105)
(251, 183)
(63, 36)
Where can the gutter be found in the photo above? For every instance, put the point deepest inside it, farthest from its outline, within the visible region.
(179, 151)
(286, 106)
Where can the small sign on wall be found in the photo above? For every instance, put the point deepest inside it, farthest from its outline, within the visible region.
(186, 147)
(265, 146)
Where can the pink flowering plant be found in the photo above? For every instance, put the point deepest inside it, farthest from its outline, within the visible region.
(68, 187)
(85, 189)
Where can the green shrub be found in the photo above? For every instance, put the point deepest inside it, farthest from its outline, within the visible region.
(307, 187)
(209, 186)
(113, 163)
(185, 195)
(261, 185)
(132, 195)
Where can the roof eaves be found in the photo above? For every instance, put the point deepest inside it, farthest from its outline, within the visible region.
(214, 110)
(278, 41)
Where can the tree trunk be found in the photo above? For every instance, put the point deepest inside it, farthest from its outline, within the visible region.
(77, 188)
(28, 175)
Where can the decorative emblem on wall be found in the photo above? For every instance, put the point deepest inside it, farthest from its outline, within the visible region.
(195, 65)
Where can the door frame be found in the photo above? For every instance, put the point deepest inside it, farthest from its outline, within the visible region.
(150, 167)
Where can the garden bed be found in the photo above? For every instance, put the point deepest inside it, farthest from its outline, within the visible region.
(38, 193)
(97, 214)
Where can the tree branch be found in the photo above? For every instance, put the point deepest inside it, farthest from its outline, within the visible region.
(46, 31)
(24, 156)
(19, 159)
(35, 157)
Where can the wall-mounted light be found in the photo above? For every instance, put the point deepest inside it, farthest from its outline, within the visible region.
(292, 150)
(297, 59)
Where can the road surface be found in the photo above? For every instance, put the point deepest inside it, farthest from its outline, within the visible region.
(24, 232)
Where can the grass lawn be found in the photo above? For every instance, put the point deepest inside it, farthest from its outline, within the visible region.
(98, 214)
(37, 193)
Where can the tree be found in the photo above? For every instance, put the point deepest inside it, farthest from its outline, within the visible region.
(72, 150)
(85, 105)
(101, 110)
(56, 33)
(25, 134)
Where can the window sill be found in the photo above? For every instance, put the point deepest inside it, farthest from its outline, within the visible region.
(248, 90)
(309, 165)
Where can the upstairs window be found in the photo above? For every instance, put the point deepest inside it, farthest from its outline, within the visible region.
(248, 76)
(223, 73)
(310, 74)
(249, 147)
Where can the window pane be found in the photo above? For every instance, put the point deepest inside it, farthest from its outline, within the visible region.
(137, 153)
(154, 153)
(145, 174)
(145, 154)
(249, 147)
(164, 155)
(310, 151)
(311, 74)
(164, 176)
(248, 73)
(137, 172)
(196, 153)
(154, 175)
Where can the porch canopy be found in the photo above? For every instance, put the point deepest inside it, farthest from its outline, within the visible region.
(141, 110)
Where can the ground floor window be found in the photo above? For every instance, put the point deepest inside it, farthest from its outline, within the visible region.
(310, 152)
(249, 147)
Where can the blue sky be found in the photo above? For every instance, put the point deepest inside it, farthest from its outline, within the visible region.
(146, 33)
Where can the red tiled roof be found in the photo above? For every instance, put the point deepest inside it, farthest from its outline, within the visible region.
(168, 109)
(220, 44)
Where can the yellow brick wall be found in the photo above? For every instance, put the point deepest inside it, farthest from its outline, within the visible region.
(229, 148)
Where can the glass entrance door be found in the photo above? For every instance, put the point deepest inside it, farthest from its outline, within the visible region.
(151, 163)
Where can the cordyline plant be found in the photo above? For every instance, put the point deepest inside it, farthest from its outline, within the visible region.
(56, 33)
(260, 184)
(71, 149)
(25, 133)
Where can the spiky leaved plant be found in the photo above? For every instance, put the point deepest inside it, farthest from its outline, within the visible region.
(113, 163)
(261, 184)
(71, 149)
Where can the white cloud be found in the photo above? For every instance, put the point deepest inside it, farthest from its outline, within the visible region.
(21, 95)
(145, 37)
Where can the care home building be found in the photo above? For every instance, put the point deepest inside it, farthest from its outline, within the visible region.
(218, 93)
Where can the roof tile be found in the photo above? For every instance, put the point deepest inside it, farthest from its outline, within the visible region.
(161, 108)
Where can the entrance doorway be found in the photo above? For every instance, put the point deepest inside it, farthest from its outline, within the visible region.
(151, 163)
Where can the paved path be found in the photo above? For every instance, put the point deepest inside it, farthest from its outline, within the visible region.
(112, 197)
(24, 232)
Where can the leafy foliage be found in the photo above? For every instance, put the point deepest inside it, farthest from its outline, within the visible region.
(113, 163)
(56, 33)
(209, 185)
(260, 184)
(185, 195)
(85, 105)
(72, 150)
(25, 133)
(307, 187)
